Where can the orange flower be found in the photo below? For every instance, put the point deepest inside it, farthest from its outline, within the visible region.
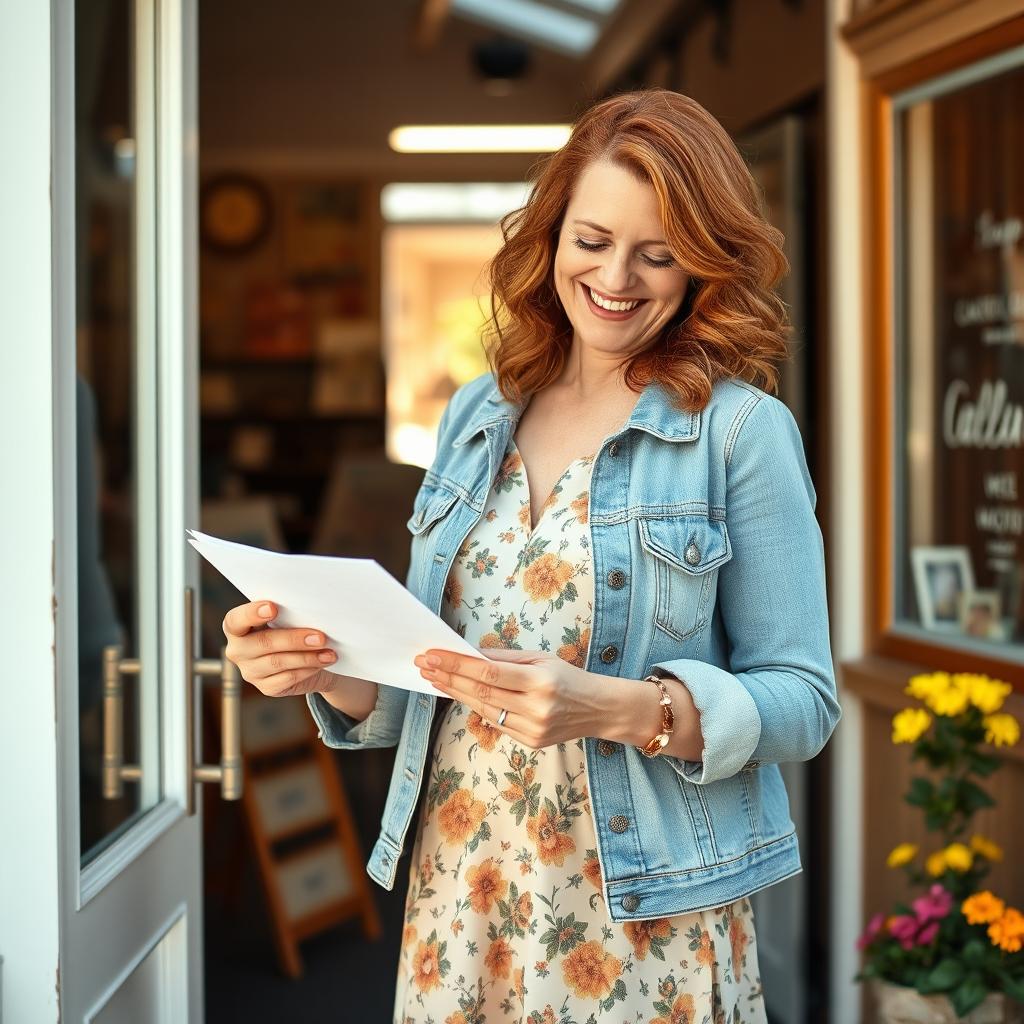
(682, 1012)
(457, 926)
(426, 971)
(592, 870)
(504, 636)
(738, 938)
(517, 982)
(546, 577)
(458, 1017)
(640, 934)
(552, 845)
(460, 817)
(453, 590)
(982, 908)
(580, 507)
(485, 885)
(486, 734)
(706, 953)
(589, 971)
(499, 958)
(1008, 932)
(523, 911)
(408, 937)
(576, 653)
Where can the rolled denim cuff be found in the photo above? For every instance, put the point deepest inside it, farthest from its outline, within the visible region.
(381, 727)
(729, 720)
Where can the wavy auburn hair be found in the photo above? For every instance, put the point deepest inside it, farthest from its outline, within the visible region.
(731, 322)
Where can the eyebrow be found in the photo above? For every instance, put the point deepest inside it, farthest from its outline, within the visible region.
(597, 227)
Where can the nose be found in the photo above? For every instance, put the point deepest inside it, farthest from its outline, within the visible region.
(615, 274)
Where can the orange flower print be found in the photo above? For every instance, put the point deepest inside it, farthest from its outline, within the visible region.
(545, 1016)
(706, 950)
(589, 971)
(511, 465)
(738, 938)
(546, 577)
(592, 869)
(517, 982)
(499, 958)
(581, 507)
(682, 1012)
(427, 871)
(486, 734)
(641, 934)
(574, 648)
(460, 817)
(426, 965)
(552, 845)
(408, 937)
(522, 912)
(485, 885)
(453, 591)
(457, 926)
(505, 635)
(458, 1017)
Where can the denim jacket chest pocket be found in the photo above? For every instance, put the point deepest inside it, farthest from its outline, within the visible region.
(432, 503)
(683, 552)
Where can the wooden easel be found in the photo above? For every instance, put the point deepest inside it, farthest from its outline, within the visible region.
(310, 860)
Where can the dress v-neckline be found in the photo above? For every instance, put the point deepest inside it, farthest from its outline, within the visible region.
(526, 481)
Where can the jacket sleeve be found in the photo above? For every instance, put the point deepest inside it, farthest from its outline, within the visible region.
(383, 726)
(778, 701)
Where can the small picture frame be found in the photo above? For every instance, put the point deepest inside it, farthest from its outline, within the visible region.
(941, 576)
(981, 613)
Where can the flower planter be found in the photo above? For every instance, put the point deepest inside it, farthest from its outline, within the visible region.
(898, 1004)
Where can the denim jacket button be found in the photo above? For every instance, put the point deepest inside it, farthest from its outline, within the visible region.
(613, 449)
(385, 859)
(692, 553)
(630, 901)
(609, 654)
(605, 747)
(616, 579)
(618, 823)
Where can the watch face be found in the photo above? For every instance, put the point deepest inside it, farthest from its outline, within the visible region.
(234, 213)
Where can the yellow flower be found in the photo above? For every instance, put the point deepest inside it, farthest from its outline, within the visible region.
(982, 908)
(986, 847)
(1008, 931)
(925, 684)
(952, 699)
(909, 724)
(935, 865)
(902, 854)
(958, 857)
(987, 694)
(1001, 729)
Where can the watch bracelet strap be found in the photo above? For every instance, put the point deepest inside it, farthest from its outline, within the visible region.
(657, 743)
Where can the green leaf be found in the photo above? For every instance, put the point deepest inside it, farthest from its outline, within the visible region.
(975, 952)
(1014, 988)
(969, 994)
(973, 797)
(944, 976)
(921, 791)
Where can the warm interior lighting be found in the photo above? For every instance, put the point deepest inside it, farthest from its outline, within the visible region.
(478, 138)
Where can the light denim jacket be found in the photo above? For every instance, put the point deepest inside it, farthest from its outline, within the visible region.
(710, 517)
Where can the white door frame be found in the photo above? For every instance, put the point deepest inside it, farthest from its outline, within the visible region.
(68, 937)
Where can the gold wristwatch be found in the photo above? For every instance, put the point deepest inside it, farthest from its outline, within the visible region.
(658, 742)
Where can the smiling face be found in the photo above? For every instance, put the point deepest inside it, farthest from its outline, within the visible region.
(612, 242)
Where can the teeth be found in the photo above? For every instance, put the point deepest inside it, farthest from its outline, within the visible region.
(616, 307)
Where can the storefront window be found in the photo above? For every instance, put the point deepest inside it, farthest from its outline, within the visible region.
(959, 346)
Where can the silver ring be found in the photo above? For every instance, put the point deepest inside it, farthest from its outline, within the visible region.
(501, 717)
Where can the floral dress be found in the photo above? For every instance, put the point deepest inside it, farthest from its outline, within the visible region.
(504, 915)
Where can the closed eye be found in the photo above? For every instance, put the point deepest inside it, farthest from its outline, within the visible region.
(595, 246)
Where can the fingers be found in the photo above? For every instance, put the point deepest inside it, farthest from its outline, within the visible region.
(506, 676)
(244, 617)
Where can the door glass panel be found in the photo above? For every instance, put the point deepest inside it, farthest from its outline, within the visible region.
(119, 760)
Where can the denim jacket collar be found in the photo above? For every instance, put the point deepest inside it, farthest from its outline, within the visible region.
(653, 412)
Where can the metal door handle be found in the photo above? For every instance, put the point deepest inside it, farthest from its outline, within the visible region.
(229, 772)
(115, 771)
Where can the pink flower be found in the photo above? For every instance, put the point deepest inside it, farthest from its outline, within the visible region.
(927, 933)
(934, 905)
(873, 928)
(904, 928)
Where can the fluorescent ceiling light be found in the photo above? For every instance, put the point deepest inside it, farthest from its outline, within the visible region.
(478, 138)
(569, 33)
(462, 202)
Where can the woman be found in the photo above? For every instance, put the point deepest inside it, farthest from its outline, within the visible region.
(621, 519)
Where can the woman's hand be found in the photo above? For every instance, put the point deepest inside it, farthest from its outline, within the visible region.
(548, 700)
(278, 662)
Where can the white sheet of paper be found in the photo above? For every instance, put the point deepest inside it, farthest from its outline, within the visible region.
(374, 625)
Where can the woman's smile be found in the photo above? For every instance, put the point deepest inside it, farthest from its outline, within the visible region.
(607, 314)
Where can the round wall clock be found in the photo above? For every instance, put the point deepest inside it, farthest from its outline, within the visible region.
(234, 213)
